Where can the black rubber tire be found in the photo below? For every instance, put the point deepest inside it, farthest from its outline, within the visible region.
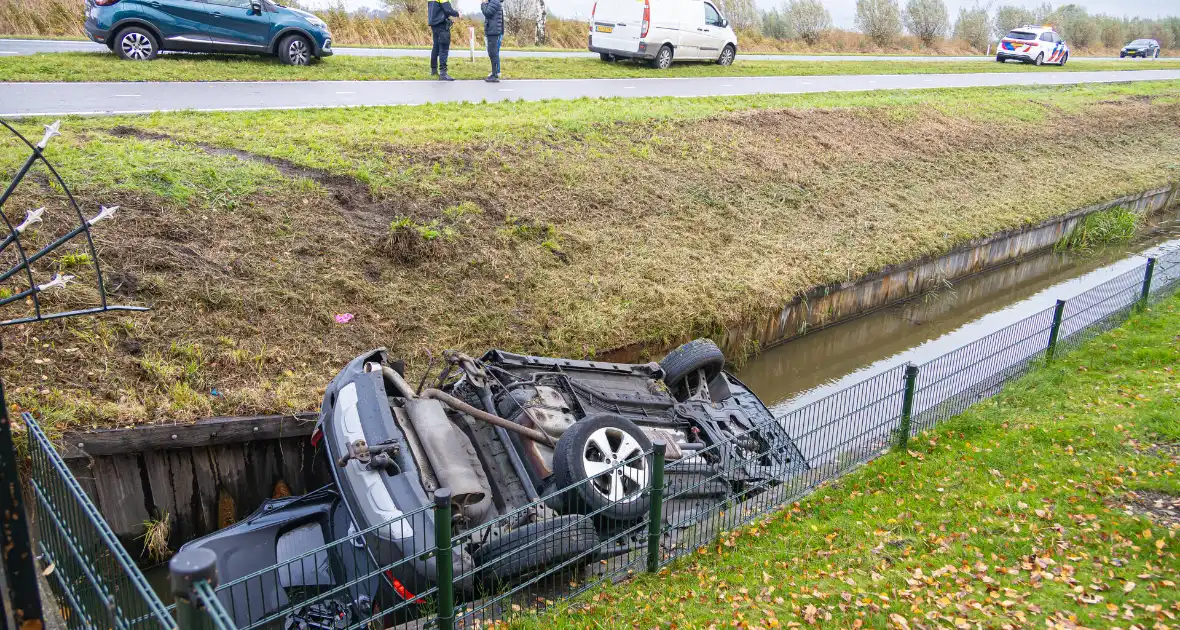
(698, 354)
(289, 56)
(1039, 60)
(663, 59)
(728, 54)
(999, 59)
(569, 470)
(535, 546)
(607, 57)
(136, 38)
(1064, 59)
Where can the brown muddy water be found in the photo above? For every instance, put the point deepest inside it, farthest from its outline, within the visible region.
(807, 368)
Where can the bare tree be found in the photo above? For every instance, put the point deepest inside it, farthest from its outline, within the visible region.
(974, 27)
(1010, 16)
(539, 35)
(520, 18)
(742, 14)
(879, 19)
(809, 19)
(926, 19)
(409, 7)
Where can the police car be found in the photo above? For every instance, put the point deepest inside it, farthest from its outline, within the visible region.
(1033, 44)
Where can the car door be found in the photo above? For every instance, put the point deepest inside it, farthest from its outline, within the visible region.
(714, 31)
(692, 30)
(234, 26)
(180, 22)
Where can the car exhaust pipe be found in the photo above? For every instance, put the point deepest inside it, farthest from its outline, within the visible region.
(405, 391)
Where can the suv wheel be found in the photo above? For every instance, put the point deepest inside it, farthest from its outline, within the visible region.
(1064, 59)
(136, 44)
(727, 55)
(295, 51)
(663, 58)
(1040, 59)
(601, 468)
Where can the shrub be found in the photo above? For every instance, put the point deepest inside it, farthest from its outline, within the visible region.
(809, 19)
(974, 27)
(879, 19)
(926, 19)
(1010, 16)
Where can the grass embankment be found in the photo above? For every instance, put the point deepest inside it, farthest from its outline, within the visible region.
(107, 67)
(1055, 504)
(562, 228)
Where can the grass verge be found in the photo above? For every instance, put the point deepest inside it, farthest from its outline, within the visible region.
(1055, 504)
(562, 228)
(107, 67)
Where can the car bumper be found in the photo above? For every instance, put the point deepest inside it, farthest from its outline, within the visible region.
(1137, 53)
(642, 53)
(1004, 55)
(324, 49)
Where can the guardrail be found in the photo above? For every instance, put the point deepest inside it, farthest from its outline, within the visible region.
(462, 582)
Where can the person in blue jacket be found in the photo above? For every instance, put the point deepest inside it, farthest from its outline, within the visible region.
(493, 29)
(439, 15)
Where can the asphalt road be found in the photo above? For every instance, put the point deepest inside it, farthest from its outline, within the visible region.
(31, 46)
(55, 99)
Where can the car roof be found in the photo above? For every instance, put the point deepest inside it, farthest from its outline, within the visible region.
(1034, 29)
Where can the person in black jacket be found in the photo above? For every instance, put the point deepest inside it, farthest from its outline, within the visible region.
(439, 14)
(493, 29)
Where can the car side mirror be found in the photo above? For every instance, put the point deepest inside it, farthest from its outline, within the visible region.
(724, 23)
(256, 8)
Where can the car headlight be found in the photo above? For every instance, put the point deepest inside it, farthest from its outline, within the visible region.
(315, 21)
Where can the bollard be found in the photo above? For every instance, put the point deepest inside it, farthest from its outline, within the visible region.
(471, 37)
(443, 559)
(1054, 332)
(187, 568)
(1147, 274)
(907, 405)
(655, 522)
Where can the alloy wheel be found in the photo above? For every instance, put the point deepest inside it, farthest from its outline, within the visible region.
(726, 56)
(665, 58)
(136, 46)
(607, 459)
(298, 53)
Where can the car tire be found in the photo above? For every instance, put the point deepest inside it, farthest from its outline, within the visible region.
(728, 54)
(136, 43)
(663, 59)
(607, 57)
(687, 360)
(999, 59)
(1122, 55)
(539, 545)
(599, 442)
(1157, 55)
(1039, 60)
(1064, 59)
(295, 50)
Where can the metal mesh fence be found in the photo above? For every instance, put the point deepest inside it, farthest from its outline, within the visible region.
(95, 581)
(663, 504)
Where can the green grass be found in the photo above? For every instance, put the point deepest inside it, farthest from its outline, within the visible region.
(562, 228)
(107, 67)
(1109, 227)
(1030, 510)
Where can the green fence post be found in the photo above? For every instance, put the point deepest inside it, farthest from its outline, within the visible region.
(655, 517)
(1147, 283)
(187, 568)
(907, 405)
(443, 559)
(1058, 311)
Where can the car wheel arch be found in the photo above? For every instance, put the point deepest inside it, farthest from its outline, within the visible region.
(290, 30)
(125, 23)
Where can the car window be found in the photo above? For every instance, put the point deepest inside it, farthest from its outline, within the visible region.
(1046, 37)
(1022, 35)
(712, 17)
(245, 4)
(1140, 42)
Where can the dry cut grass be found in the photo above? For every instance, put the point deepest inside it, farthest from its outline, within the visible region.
(554, 228)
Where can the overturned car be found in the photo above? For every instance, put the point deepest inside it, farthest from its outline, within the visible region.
(547, 462)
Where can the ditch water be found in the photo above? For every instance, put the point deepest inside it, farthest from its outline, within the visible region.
(808, 368)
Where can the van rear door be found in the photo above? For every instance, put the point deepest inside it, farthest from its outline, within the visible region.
(616, 25)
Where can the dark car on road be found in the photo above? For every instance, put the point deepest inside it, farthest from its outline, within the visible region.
(138, 30)
(1146, 48)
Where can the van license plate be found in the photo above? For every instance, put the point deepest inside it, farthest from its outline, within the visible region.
(604, 29)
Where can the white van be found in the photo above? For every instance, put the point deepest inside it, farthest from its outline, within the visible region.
(660, 31)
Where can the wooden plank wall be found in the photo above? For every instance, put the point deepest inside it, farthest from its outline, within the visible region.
(203, 483)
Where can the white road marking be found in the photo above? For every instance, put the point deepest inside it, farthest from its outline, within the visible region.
(628, 87)
(807, 83)
(346, 92)
(726, 85)
(8, 52)
(507, 90)
(127, 96)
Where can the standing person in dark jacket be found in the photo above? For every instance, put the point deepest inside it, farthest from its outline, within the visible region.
(439, 14)
(493, 29)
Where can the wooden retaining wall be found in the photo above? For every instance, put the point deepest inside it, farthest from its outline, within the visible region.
(204, 476)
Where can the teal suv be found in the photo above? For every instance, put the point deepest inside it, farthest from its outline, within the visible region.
(137, 30)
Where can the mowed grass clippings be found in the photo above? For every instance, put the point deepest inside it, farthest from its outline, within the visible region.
(552, 228)
(182, 67)
(1054, 505)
